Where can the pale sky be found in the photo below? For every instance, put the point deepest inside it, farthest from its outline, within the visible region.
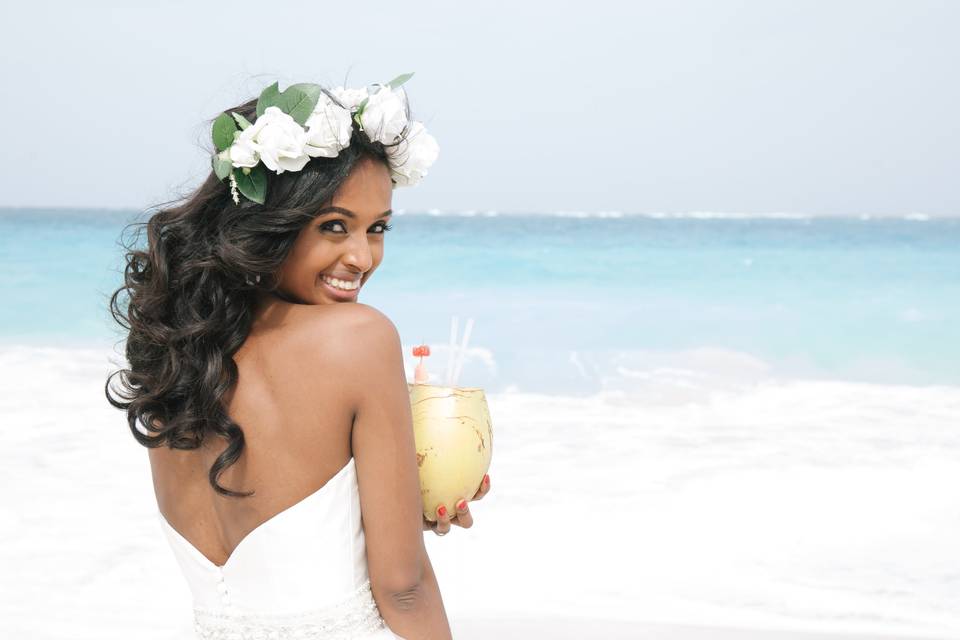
(764, 106)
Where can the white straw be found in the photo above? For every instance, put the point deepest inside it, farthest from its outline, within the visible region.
(448, 374)
(463, 351)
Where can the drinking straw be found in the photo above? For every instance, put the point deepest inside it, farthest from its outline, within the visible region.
(463, 351)
(448, 373)
(420, 374)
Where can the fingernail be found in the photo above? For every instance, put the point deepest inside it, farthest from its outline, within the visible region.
(486, 478)
(461, 505)
(442, 511)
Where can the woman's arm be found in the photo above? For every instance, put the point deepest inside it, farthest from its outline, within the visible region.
(401, 576)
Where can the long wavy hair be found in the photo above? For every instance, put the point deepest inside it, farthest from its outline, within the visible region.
(187, 297)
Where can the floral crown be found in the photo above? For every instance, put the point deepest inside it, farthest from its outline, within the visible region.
(303, 122)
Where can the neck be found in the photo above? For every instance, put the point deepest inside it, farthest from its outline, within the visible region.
(271, 307)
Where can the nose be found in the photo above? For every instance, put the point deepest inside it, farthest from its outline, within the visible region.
(357, 254)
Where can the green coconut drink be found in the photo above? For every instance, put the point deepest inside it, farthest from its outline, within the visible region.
(452, 429)
(454, 442)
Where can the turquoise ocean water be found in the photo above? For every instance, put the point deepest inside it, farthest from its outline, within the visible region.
(566, 303)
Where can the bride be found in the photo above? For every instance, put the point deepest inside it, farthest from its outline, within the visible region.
(274, 405)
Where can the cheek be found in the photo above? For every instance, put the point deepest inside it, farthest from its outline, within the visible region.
(309, 267)
(303, 264)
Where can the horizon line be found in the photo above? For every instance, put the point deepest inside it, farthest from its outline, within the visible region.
(573, 213)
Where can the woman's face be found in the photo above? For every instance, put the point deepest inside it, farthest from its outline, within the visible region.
(344, 241)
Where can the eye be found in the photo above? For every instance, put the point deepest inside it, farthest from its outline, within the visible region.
(328, 226)
(378, 227)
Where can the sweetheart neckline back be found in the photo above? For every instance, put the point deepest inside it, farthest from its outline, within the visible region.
(260, 526)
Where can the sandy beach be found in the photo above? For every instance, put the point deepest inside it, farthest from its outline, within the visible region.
(576, 628)
(726, 515)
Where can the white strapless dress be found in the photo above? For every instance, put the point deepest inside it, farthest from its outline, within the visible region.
(301, 574)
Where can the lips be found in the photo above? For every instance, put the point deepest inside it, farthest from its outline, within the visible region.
(350, 277)
(340, 294)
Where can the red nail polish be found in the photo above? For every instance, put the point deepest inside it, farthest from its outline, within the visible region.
(486, 478)
(461, 505)
(442, 511)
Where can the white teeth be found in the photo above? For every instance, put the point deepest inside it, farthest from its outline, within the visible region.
(341, 284)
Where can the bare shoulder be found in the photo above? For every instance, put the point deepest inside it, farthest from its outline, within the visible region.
(344, 327)
(363, 317)
(351, 345)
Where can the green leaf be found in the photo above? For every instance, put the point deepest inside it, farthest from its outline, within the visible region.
(223, 128)
(300, 103)
(243, 122)
(268, 97)
(221, 166)
(252, 185)
(298, 100)
(399, 80)
(359, 113)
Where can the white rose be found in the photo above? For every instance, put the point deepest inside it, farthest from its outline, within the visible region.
(385, 117)
(328, 129)
(412, 156)
(276, 138)
(350, 98)
(243, 153)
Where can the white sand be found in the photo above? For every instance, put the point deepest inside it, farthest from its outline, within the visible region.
(516, 628)
(560, 628)
(777, 507)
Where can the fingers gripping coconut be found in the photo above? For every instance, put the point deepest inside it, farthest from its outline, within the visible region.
(454, 439)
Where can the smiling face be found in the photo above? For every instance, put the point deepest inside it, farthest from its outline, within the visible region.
(344, 241)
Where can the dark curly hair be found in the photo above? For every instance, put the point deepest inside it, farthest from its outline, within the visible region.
(188, 305)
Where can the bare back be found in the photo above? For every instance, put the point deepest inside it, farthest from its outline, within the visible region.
(297, 435)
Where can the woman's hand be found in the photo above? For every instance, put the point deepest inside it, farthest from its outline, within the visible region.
(462, 517)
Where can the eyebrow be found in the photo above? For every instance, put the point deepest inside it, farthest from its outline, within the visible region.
(348, 213)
